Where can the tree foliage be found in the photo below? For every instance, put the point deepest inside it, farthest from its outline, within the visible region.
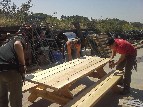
(10, 14)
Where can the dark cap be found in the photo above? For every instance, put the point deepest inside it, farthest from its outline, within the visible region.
(110, 41)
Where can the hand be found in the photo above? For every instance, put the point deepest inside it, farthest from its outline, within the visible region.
(111, 64)
(22, 70)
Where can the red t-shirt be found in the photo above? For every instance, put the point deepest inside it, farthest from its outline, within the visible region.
(124, 47)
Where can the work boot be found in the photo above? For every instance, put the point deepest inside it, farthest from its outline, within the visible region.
(125, 92)
(120, 83)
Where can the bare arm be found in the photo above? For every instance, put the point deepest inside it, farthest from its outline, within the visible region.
(122, 57)
(20, 52)
(113, 54)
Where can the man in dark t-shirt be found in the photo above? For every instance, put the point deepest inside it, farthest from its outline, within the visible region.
(12, 69)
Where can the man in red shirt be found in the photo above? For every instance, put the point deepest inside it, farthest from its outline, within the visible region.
(127, 59)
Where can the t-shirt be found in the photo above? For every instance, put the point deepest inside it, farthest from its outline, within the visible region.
(78, 33)
(7, 53)
(124, 47)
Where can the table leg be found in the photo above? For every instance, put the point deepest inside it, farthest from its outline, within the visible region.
(66, 92)
(52, 96)
(41, 91)
(33, 96)
(100, 72)
(93, 74)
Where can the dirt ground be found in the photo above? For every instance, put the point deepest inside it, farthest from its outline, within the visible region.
(134, 99)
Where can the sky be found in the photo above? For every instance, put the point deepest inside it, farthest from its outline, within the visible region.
(128, 10)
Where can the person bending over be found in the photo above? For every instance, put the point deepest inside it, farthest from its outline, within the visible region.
(12, 71)
(127, 59)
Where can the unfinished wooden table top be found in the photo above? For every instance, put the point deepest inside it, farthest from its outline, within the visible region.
(61, 75)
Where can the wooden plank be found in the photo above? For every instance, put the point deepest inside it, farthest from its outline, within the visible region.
(93, 94)
(74, 73)
(50, 72)
(104, 46)
(62, 74)
(56, 69)
(100, 92)
(28, 86)
(58, 66)
(102, 39)
(80, 97)
(71, 76)
(105, 49)
(103, 36)
(51, 96)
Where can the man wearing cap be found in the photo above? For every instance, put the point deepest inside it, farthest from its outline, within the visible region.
(127, 59)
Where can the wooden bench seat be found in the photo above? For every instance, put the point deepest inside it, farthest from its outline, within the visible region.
(93, 94)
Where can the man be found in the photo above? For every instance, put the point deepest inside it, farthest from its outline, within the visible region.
(127, 59)
(76, 43)
(12, 70)
(73, 46)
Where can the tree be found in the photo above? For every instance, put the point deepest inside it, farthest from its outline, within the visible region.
(11, 13)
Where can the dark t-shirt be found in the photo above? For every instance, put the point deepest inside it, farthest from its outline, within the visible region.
(8, 57)
(78, 33)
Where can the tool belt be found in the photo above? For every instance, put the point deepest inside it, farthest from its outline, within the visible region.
(6, 67)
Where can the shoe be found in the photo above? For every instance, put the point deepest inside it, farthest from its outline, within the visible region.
(125, 92)
(120, 83)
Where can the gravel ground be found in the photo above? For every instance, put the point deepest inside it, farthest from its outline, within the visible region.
(134, 99)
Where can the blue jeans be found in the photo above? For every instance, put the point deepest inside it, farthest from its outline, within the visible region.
(10, 81)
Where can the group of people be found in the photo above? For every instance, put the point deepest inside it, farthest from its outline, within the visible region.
(13, 64)
(13, 67)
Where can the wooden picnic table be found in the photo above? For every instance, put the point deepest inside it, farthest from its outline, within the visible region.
(61, 77)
